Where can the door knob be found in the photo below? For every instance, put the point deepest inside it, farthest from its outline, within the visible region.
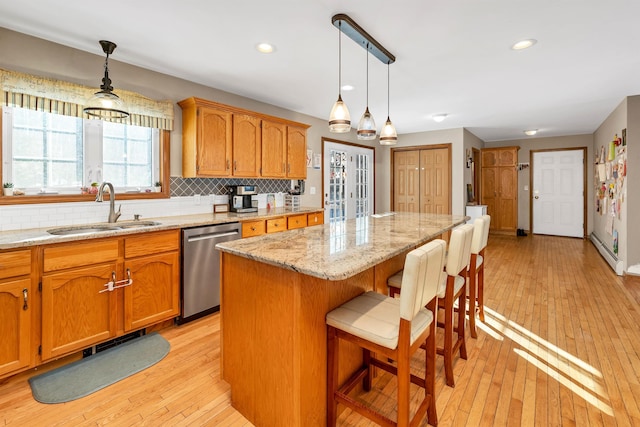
(536, 197)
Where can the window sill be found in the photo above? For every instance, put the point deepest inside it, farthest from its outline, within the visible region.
(70, 198)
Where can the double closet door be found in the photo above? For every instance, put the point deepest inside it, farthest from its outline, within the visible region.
(422, 180)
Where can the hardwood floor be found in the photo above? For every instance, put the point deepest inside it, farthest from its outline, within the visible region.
(560, 346)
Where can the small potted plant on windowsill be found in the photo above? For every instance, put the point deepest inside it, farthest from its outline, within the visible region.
(157, 187)
(8, 188)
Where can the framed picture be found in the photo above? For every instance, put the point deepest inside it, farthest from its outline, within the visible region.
(624, 136)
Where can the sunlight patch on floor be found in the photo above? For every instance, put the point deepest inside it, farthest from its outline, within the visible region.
(568, 370)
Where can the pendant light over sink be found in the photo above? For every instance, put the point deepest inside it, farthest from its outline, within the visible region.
(366, 126)
(105, 104)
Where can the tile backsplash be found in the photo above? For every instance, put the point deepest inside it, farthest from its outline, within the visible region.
(182, 202)
(191, 186)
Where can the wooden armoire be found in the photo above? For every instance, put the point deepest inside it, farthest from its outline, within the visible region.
(499, 187)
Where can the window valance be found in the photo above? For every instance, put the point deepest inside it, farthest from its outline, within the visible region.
(59, 97)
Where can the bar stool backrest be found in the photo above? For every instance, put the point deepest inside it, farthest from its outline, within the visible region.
(459, 253)
(480, 234)
(420, 280)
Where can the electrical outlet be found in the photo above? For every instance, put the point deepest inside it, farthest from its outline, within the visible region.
(196, 199)
(526, 188)
(312, 190)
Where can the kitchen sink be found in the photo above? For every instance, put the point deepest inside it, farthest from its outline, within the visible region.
(100, 228)
(136, 224)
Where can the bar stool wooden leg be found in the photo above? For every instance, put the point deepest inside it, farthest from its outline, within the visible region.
(472, 301)
(481, 292)
(430, 374)
(332, 376)
(461, 322)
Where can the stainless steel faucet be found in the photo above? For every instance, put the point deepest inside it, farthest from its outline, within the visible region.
(113, 215)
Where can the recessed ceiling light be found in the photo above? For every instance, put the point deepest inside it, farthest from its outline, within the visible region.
(347, 87)
(438, 117)
(531, 132)
(265, 48)
(524, 44)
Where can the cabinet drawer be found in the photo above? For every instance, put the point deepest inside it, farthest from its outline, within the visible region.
(151, 243)
(16, 263)
(276, 224)
(315, 219)
(253, 228)
(296, 221)
(77, 254)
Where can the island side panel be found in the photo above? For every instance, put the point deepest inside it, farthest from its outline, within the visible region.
(316, 297)
(274, 339)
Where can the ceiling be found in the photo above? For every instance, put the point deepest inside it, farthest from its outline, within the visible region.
(452, 57)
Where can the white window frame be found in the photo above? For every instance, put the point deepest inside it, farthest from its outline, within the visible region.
(92, 157)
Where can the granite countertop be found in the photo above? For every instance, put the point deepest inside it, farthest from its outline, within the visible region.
(39, 236)
(340, 250)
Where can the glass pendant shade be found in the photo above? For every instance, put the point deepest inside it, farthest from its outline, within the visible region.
(388, 134)
(105, 104)
(339, 119)
(367, 126)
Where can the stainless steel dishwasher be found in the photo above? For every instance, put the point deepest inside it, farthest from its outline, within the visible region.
(201, 268)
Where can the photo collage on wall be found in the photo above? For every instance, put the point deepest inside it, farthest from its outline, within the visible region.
(609, 180)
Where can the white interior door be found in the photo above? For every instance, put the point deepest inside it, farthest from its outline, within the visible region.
(348, 182)
(558, 193)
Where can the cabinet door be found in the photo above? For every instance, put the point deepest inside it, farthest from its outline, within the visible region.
(75, 315)
(15, 324)
(296, 152)
(154, 294)
(406, 181)
(490, 193)
(246, 145)
(507, 208)
(315, 219)
(213, 152)
(274, 156)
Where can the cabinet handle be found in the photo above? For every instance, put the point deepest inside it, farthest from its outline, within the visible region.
(115, 284)
(253, 229)
(25, 296)
(235, 165)
(288, 167)
(228, 164)
(283, 167)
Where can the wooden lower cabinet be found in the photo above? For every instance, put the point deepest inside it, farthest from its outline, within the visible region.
(296, 221)
(75, 313)
(153, 296)
(253, 228)
(316, 218)
(15, 325)
(17, 304)
(79, 311)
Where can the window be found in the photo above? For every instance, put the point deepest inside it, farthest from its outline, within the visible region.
(52, 153)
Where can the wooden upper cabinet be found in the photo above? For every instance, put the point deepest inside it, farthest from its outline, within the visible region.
(503, 156)
(247, 142)
(296, 152)
(220, 141)
(206, 140)
(274, 154)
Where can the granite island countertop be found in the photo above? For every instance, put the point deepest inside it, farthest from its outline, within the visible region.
(39, 236)
(342, 249)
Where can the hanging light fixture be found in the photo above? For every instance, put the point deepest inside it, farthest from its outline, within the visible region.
(339, 119)
(367, 126)
(105, 104)
(388, 134)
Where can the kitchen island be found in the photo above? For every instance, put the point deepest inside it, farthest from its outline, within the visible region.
(275, 292)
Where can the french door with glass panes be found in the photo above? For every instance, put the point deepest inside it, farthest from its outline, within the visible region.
(348, 181)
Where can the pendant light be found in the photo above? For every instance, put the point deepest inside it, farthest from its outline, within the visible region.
(339, 119)
(367, 126)
(105, 104)
(388, 134)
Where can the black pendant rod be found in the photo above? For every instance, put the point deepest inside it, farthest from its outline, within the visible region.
(355, 32)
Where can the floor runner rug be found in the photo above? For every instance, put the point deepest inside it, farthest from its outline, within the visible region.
(81, 378)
